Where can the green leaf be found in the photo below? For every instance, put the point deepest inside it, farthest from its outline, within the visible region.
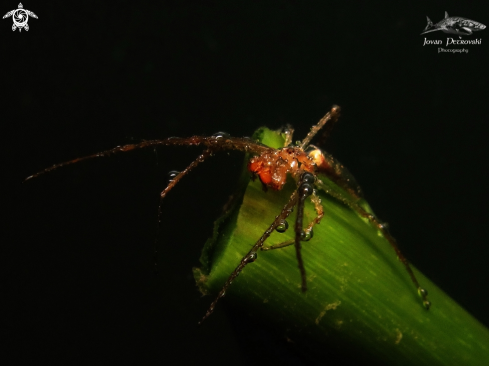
(360, 298)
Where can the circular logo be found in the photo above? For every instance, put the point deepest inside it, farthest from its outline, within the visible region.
(20, 18)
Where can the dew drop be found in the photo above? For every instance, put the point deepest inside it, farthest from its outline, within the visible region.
(282, 226)
(307, 178)
(307, 235)
(251, 257)
(427, 304)
(306, 189)
(221, 135)
(172, 174)
(422, 292)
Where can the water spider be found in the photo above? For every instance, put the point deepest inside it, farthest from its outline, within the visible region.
(302, 161)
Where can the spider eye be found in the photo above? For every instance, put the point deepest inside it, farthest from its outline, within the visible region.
(221, 135)
(172, 175)
(307, 235)
(282, 226)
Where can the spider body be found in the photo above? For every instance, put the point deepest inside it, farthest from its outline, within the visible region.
(302, 161)
(273, 166)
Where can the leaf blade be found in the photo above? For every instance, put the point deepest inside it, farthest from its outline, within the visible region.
(359, 298)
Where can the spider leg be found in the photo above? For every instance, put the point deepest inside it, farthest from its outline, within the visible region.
(252, 254)
(331, 115)
(320, 213)
(383, 228)
(304, 190)
(214, 142)
(319, 210)
(288, 132)
(171, 184)
(193, 164)
(115, 150)
(279, 245)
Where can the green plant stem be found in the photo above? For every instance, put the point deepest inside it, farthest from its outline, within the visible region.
(359, 299)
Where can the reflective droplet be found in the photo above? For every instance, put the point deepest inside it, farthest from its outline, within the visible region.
(422, 292)
(223, 135)
(172, 174)
(307, 178)
(427, 304)
(282, 226)
(251, 257)
(222, 294)
(305, 189)
(307, 235)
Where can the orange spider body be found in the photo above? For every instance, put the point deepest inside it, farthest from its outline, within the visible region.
(272, 166)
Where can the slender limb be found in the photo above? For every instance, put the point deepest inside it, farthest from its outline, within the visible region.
(289, 133)
(334, 170)
(251, 255)
(184, 172)
(382, 227)
(319, 210)
(212, 142)
(333, 114)
(320, 213)
(298, 237)
(172, 184)
(279, 245)
(305, 189)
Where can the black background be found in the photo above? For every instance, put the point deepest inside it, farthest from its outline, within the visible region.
(78, 243)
